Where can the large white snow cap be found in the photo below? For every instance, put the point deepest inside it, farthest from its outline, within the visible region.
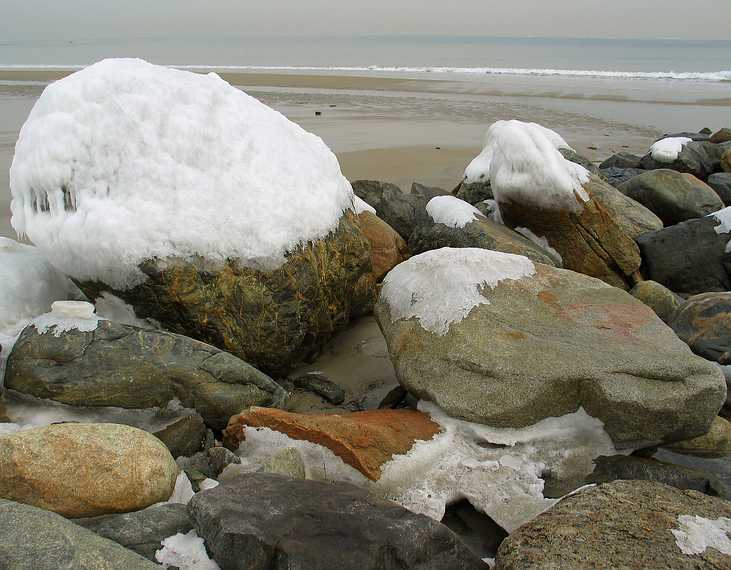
(440, 287)
(126, 160)
(523, 164)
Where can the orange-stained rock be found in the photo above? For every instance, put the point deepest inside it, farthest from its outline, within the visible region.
(388, 248)
(363, 440)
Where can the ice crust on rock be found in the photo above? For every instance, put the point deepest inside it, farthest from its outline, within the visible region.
(186, 552)
(667, 150)
(452, 212)
(523, 164)
(125, 161)
(696, 534)
(441, 287)
(498, 470)
(66, 316)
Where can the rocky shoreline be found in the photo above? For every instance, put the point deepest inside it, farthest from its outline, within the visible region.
(548, 387)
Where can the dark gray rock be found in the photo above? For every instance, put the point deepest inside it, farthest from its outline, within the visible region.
(427, 192)
(475, 192)
(700, 136)
(318, 383)
(142, 531)
(619, 467)
(687, 258)
(399, 210)
(618, 176)
(701, 159)
(480, 533)
(721, 184)
(673, 196)
(573, 156)
(34, 539)
(128, 367)
(184, 436)
(621, 161)
(703, 322)
(623, 524)
(482, 233)
(275, 522)
(219, 458)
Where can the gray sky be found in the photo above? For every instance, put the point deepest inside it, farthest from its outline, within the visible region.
(79, 19)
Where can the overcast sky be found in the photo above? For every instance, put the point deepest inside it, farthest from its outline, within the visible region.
(87, 19)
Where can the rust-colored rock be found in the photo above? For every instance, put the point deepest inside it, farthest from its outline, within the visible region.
(363, 440)
(388, 248)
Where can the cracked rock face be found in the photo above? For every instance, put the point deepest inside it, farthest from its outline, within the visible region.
(127, 367)
(544, 345)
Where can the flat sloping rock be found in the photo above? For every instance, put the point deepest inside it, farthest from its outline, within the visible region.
(624, 524)
(388, 249)
(363, 440)
(128, 367)
(632, 217)
(427, 192)
(616, 176)
(142, 531)
(688, 258)
(673, 196)
(275, 522)
(621, 160)
(544, 345)
(82, 470)
(34, 539)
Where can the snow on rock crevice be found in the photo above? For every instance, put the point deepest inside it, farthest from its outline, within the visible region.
(523, 164)
(66, 316)
(185, 552)
(125, 161)
(441, 287)
(667, 150)
(696, 534)
(452, 212)
(498, 470)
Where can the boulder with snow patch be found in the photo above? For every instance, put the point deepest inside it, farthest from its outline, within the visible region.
(658, 297)
(538, 189)
(621, 160)
(624, 524)
(399, 210)
(617, 176)
(271, 521)
(141, 531)
(93, 363)
(699, 158)
(474, 192)
(704, 323)
(690, 257)
(455, 223)
(388, 249)
(427, 192)
(673, 196)
(35, 539)
(243, 237)
(363, 440)
(721, 136)
(82, 470)
(721, 184)
(556, 341)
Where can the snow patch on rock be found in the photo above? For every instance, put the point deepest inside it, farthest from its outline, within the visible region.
(186, 552)
(452, 212)
(183, 491)
(696, 534)
(360, 206)
(125, 161)
(66, 316)
(667, 150)
(441, 287)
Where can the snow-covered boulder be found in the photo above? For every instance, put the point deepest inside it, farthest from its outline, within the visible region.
(699, 158)
(494, 338)
(538, 189)
(195, 203)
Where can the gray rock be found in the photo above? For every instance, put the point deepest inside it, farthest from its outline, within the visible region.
(633, 218)
(704, 323)
(673, 196)
(142, 531)
(275, 522)
(618, 176)
(399, 210)
(427, 192)
(701, 159)
(219, 458)
(124, 366)
(658, 297)
(700, 136)
(34, 539)
(318, 383)
(721, 184)
(481, 233)
(184, 436)
(624, 524)
(576, 158)
(475, 192)
(622, 161)
(558, 341)
(620, 467)
(721, 136)
(688, 258)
